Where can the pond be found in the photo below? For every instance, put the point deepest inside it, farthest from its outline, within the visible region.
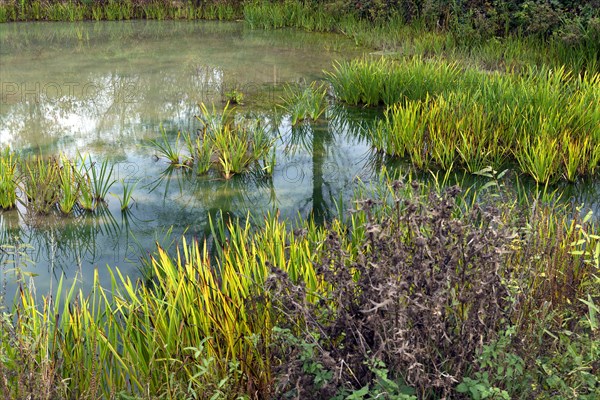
(106, 89)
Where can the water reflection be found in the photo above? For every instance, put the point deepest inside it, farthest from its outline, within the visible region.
(98, 84)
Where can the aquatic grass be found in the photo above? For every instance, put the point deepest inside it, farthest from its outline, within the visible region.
(86, 193)
(304, 103)
(192, 330)
(8, 179)
(539, 157)
(41, 183)
(204, 153)
(236, 144)
(541, 119)
(101, 179)
(371, 82)
(171, 151)
(575, 156)
(126, 198)
(69, 186)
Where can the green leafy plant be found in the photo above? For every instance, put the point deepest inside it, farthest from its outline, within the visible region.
(171, 151)
(127, 197)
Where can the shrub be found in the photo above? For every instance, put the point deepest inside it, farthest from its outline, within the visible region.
(423, 294)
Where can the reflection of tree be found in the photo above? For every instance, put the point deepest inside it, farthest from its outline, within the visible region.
(317, 140)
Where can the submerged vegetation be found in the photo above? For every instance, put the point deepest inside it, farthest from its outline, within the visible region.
(411, 295)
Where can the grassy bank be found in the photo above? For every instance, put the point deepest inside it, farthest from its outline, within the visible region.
(115, 10)
(316, 312)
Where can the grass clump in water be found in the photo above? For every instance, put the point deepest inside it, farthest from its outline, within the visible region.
(304, 103)
(8, 182)
(226, 141)
(57, 183)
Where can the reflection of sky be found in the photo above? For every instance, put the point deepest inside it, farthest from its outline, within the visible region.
(121, 81)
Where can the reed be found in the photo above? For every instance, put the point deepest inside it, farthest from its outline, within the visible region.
(69, 186)
(171, 151)
(236, 144)
(41, 182)
(8, 182)
(101, 179)
(126, 198)
(542, 120)
(204, 153)
(304, 103)
(192, 331)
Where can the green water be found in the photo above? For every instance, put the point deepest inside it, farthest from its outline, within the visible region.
(105, 89)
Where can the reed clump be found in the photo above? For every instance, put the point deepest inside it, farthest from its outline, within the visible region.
(8, 182)
(228, 142)
(439, 115)
(306, 103)
(57, 183)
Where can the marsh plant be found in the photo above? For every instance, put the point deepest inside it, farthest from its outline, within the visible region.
(418, 292)
(226, 141)
(171, 150)
(543, 120)
(8, 181)
(56, 183)
(304, 103)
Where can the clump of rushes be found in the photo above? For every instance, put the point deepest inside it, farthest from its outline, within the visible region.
(8, 183)
(304, 103)
(233, 143)
(84, 183)
(69, 186)
(171, 151)
(59, 183)
(545, 121)
(101, 179)
(127, 197)
(41, 183)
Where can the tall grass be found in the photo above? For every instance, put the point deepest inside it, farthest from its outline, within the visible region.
(114, 10)
(191, 331)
